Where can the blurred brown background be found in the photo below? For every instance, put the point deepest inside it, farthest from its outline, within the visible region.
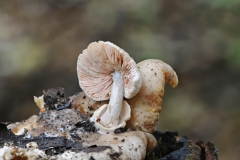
(41, 40)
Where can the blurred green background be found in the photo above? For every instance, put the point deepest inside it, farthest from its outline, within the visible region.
(41, 40)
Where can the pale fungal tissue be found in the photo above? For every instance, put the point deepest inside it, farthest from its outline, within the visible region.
(112, 118)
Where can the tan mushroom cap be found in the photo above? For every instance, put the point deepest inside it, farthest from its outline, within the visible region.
(147, 104)
(95, 66)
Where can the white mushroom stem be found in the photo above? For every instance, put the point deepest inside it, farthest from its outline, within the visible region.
(111, 116)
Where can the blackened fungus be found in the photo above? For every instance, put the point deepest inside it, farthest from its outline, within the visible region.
(91, 158)
(66, 105)
(54, 99)
(95, 148)
(115, 155)
(86, 124)
(119, 130)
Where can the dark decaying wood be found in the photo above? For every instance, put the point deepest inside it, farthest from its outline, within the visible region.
(173, 147)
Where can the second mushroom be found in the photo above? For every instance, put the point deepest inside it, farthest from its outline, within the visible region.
(107, 71)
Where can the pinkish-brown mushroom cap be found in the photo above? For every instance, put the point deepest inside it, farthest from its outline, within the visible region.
(97, 63)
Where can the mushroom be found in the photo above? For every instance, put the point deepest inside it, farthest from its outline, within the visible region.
(21, 153)
(146, 105)
(32, 145)
(51, 123)
(18, 128)
(40, 103)
(128, 145)
(85, 104)
(107, 71)
(63, 131)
